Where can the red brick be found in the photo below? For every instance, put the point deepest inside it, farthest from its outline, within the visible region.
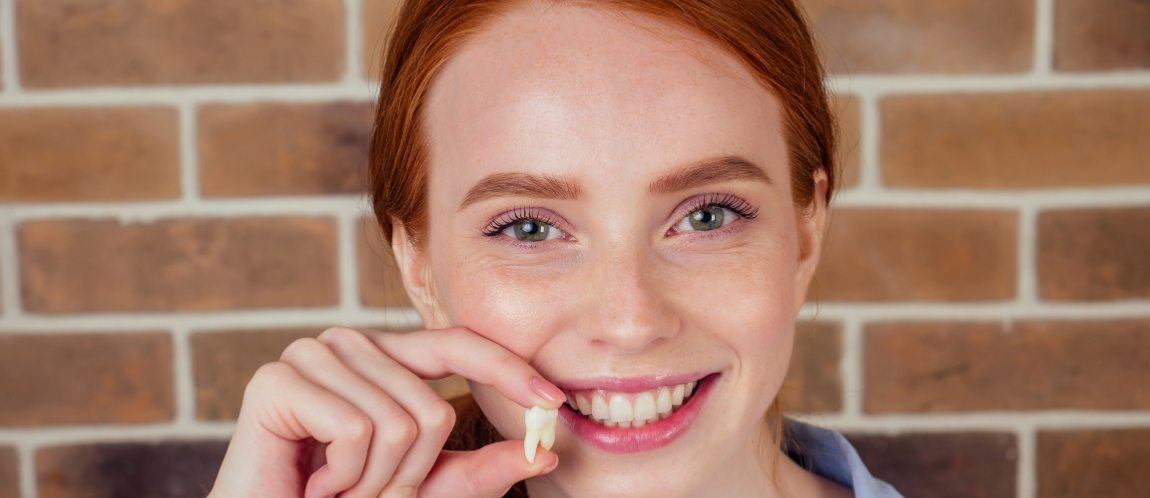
(1094, 254)
(9, 473)
(77, 265)
(166, 469)
(849, 118)
(56, 378)
(380, 284)
(1031, 365)
(89, 154)
(378, 16)
(145, 42)
(888, 254)
(1072, 138)
(224, 361)
(1096, 35)
(942, 465)
(284, 149)
(1097, 462)
(907, 36)
(813, 383)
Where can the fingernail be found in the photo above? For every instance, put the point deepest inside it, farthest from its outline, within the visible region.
(547, 390)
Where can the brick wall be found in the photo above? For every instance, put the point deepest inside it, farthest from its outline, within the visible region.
(180, 197)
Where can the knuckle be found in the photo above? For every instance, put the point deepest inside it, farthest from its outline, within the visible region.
(358, 427)
(439, 417)
(303, 350)
(400, 431)
(337, 334)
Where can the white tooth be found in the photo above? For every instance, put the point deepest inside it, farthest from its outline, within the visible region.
(547, 433)
(620, 409)
(677, 395)
(531, 444)
(536, 417)
(644, 407)
(638, 423)
(609, 423)
(583, 404)
(625, 424)
(663, 402)
(690, 389)
(599, 409)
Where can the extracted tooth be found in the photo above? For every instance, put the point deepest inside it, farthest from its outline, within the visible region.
(540, 424)
(621, 410)
(547, 434)
(677, 395)
(663, 402)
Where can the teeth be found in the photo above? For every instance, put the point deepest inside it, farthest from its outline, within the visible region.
(626, 410)
(540, 424)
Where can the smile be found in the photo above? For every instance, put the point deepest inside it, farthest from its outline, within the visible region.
(635, 415)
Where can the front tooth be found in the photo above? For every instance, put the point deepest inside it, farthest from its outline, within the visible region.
(663, 401)
(599, 409)
(583, 404)
(620, 409)
(644, 407)
(677, 395)
(690, 389)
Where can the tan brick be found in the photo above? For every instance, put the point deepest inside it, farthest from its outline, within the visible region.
(1094, 254)
(224, 361)
(1073, 138)
(1093, 35)
(969, 366)
(886, 254)
(1095, 462)
(173, 469)
(145, 42)
(58, 378)
(942, 465)
(78, 265)
(9, 473)
(380, 284)
(378, 16)
(849, 118)
(89, 154)
(910, 36)
(284, 149)
(813, 383)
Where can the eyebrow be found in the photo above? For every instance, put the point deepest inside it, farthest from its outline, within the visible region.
(695, 174)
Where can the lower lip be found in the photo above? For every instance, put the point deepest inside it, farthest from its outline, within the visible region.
(651, 436)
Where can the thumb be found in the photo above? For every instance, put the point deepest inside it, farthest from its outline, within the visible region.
(487, 472)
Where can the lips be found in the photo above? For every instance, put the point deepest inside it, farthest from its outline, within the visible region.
(631, 419)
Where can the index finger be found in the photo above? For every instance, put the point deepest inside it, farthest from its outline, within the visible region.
(434, 354)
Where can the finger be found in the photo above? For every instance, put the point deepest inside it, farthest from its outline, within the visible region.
(434, 354)
(393, 430)
(290, 407)
(486, 472)
(433, 415)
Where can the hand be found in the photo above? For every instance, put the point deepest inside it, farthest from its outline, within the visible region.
(348, 412)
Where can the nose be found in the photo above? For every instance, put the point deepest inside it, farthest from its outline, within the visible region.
(626, 309)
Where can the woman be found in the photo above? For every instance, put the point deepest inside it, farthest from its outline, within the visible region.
(613, 208)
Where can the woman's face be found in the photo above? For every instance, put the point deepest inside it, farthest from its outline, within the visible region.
(629, 263)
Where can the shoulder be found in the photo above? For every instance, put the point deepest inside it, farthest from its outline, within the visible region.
(827, 453)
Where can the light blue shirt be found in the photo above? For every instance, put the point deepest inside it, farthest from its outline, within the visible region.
(829, 454)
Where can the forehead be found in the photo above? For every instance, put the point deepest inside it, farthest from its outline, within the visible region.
(602, 96)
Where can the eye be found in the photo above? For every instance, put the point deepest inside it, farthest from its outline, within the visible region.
(528, 230)
(708, 218)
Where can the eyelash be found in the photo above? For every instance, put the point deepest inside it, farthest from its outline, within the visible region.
(518, 214)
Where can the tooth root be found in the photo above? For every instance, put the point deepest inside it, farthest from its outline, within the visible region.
(531, 444)
(547, 434)
(621, 409)
(599, 407)
(663, 402)
(677, 395)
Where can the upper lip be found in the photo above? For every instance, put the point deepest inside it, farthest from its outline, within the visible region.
(628, 384)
